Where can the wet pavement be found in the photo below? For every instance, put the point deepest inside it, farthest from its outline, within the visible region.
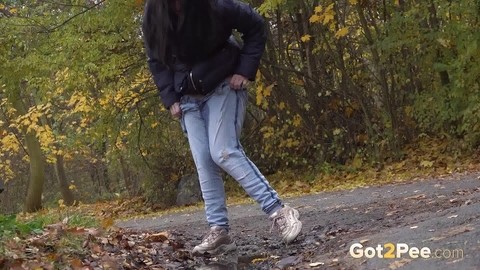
(436, 218)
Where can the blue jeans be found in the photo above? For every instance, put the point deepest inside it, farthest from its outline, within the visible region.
(213, 124)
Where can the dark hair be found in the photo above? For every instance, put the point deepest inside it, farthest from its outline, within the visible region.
(157, 24)
(191, 35)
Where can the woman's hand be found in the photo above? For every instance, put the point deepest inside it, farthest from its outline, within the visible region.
(238, 82)
(175, 110)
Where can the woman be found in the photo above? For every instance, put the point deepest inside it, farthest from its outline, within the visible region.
(201, 75)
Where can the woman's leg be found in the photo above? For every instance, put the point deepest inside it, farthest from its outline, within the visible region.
(209, 174)
(224, 112)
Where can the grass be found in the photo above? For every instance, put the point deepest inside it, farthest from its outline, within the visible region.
(15, 230)
(9, 225)
(24, 224)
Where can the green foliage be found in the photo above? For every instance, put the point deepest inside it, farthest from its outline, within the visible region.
(451, 107)
(9, 225)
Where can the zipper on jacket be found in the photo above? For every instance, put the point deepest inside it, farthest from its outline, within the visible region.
(191, 80)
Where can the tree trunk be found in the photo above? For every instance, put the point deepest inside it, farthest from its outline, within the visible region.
(126, 177)
(33, 201)
(435, 24)
(67, 194)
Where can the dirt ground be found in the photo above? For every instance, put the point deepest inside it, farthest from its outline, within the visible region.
(439, 215)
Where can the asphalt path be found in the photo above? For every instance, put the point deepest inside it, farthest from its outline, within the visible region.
(421, 224)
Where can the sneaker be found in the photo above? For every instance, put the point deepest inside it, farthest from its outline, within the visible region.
(286, 221)
(217, 241)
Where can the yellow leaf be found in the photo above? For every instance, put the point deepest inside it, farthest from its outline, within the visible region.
(342, 32)
(357, 162)
(107, 222)
(267, 132)
(318, 9)
(445, 43)
(327, 19)
(353, 2)
(61, 203)
(306, 38)
(315, 18)
(409, 110)
(9, 143)
(297, 121)
(72, 187)
(259, 94)
(13, 10)
(268, 90)
(2, 6)
(329, 8)
(282, 105)
(426, 164)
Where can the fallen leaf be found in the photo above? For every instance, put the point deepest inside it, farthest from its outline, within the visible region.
(109, 262)
(453, 216)
(257, 260)
(458, 230)
(97, 249)
(65, 220)
(76, 264)
(413, 227)
(316, 264)
(107, 222)
(426, 164)
(93, 231)
(416, 197)
(56, 228)
(436, 238)
(158, 237)
(76, 230)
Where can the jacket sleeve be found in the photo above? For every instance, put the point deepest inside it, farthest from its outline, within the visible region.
(247, 21)
(163, 78)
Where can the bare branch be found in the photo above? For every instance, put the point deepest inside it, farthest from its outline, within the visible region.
(74, 16)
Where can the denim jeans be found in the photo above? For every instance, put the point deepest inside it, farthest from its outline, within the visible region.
(213, 124)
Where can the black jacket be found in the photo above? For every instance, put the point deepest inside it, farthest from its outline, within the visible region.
(234, 15)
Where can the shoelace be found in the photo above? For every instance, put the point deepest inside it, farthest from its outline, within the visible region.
(280, 222)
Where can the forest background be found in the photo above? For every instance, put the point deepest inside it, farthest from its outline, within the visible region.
(349, 93)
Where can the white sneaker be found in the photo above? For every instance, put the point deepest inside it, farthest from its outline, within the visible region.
(217, 241)
(286, 221)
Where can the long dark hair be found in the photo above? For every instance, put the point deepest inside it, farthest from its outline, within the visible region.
(190, 35)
